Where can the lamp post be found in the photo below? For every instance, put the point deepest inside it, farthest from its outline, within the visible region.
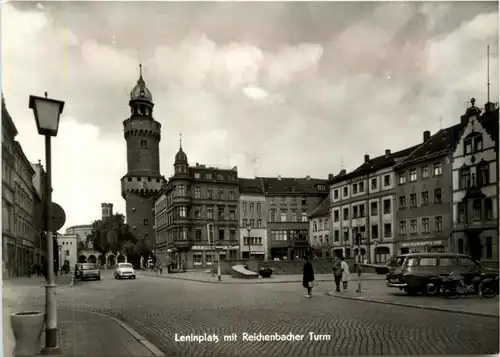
(47, 113)
(249, 229)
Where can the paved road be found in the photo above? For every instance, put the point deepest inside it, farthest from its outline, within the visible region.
(160, 308)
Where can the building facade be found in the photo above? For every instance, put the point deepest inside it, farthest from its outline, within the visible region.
(253, 227)
(24, 199)
(82, 231)
(200, 201)
(68, 251)
(475, 185)
(143, 180)
(9, 132)
(363, 203)
(38, 210)
(320, 237)
(289, 202)
(423, 195)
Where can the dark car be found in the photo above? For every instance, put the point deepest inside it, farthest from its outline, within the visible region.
(87, 271)
(422, 272)
(383, 269)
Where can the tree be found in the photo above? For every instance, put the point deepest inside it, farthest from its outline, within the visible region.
(113, 235)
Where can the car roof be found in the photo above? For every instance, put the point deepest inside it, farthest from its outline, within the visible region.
(443, 255)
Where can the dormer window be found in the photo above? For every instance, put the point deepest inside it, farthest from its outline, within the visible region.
(473, 143)
(478, 143)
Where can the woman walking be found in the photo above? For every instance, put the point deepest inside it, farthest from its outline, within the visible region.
(345, 273)
(308, 277)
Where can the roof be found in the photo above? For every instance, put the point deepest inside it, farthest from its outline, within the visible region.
(277, 185)
(439, 144)
(489, 121)
(7, 119)
(376, 164)
(323, 208)
(250, 186)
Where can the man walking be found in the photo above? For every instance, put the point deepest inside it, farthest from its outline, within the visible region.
(308, 277)
(337, 273)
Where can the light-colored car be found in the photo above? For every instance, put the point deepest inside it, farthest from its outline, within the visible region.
(124, 270)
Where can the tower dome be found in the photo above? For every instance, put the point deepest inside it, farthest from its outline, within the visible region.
(140, 91)
(181, 157)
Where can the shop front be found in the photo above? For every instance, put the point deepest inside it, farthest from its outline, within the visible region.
(427, 246)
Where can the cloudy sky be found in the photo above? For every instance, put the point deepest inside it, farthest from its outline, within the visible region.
(289, 89)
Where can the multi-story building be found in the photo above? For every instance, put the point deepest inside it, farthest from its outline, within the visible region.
(253, 228)
(9, 132)
(475, 185)
(320, 230)
(290, 201)
(423, 194)
(160, 227)
(24, 199)
(200, 201)
(363, 202)
(143, 180)
(38, 210)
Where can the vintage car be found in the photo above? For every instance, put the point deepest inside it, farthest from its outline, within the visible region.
(87, 271)
(124, 271)
(422, 272)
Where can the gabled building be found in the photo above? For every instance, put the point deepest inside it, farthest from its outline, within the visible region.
(289, 202)
(363, 202)
(475, 185)
(423, 194)
(320, 238)
(253, 227)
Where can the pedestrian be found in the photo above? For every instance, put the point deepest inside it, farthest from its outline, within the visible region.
(308, 276)
(345, 273)
(337, 273)
(37, 269)
(31, 269)
(160, 268)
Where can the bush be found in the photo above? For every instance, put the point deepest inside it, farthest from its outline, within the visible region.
(265, 272)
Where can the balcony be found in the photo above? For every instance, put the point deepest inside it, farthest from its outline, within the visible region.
(182, 244)
(182, 200)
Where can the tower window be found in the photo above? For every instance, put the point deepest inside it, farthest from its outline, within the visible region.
(138, 179)
(145, 222)
(149, 179)
(144, 144)
(130, 179)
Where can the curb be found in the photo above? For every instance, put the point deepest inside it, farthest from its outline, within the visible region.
(141, 339)
(433, 308)
(249, 283)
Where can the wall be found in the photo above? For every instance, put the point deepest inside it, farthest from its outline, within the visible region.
(68, 245)
(81, 231)
(142, 159)
(138, 210)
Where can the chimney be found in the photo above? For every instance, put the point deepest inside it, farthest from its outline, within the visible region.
(308, 177)
(367, 158)
(387, 152)
(427, 135)
(342, 172)
(330, 176)
(197, 164)
(279, 177)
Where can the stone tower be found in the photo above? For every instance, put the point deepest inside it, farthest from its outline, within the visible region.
(143, 180)
(107, 210)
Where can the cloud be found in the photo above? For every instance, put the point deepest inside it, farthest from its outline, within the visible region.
(276, 89)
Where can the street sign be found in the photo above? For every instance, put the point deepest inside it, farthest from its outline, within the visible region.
(58, 217)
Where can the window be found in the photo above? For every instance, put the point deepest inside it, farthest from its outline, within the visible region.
(413, 200)
(438, 169)
(437, 196)
(346, 235)
(346, 214)
(354, 188)
(374, 208)
(272, 215)
(439, 223)
(402, 227)
(278, 234)
(336, 194)
(461, 212)
(387, 206)
(182, 212)
(478, 143)
(259, 207)
(252, 223)
(245, 222)
(197, 175)
(221, 234)
(476, 210)
(468, 146)
(244, 206)
(428, 262)
(336, 215)
(465, 178)
(315, 226)
(259, 223)
(448, 262)
(271, 200)
(374, 183)
(413, 175)
(412, 262)
(231, 195)
(294, 215)
(425, 225)
(387, 230)
(210, 213)
(402, 202)
(198, 234)
(252, 206)
(424, 171)
(402, 178)
(413, 226)
(209, 193)
(424, 197)
(362, 211)
(346, 191)
(181, 190)
(232, 234)
(361, 187)
(488, 207)
(197, 212)
(355, 212)
(336, 235)
(304, 202)
(220, 177)
(283, 216)
(489, 247)
(197, 192)
(220, 214)
(387, 180)
(232, 215)
(304, 216)
(208, 176)
(483, 177)
(221, 194)
(145, 222)
(375, 231)
(144, 144)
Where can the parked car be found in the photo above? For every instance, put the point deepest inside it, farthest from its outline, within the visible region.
(384, 268)
(124, 270)
(87, 271)
(422, 272)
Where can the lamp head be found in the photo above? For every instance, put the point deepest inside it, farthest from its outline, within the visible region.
(47, 114)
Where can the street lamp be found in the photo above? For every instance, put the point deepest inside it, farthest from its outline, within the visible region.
(47, 113)
(249, 229)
